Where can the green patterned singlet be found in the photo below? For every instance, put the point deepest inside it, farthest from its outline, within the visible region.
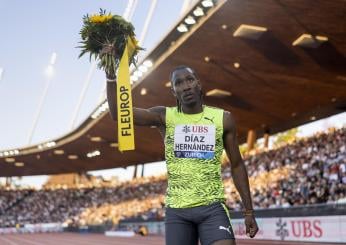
(193, 148)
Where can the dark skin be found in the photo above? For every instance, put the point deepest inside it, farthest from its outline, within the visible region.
(187, 89)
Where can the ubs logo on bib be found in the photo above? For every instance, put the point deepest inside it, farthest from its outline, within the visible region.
(194, 141)
(186, 129)
(199, 129)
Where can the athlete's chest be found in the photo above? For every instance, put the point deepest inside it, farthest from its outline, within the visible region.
(194, 141)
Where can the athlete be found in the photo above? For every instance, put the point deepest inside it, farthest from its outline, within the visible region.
(195, 136)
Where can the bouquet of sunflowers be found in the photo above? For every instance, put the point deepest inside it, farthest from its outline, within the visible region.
(100, 30)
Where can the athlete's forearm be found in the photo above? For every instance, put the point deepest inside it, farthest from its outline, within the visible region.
(112, 99)
(241, 182)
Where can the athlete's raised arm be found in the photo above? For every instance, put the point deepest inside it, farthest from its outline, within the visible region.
(239, 173)
(154, 116)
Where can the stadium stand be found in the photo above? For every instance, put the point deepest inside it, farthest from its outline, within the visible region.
(307, 171)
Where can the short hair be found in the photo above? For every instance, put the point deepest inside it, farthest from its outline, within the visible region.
(182, 67)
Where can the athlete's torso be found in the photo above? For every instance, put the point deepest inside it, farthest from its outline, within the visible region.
(193, 148)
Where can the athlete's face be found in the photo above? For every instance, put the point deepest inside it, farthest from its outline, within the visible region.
(186, 86)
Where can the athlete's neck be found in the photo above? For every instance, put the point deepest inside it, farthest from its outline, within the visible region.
(192, 109)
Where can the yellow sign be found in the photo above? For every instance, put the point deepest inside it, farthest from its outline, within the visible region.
(124, 100)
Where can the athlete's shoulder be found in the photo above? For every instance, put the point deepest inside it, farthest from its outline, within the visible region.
(227, 114)
(158, 109)
(228, 121)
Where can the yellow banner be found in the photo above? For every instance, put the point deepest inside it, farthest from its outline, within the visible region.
(126, 137)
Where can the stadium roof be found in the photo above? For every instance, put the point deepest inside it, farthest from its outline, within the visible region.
(273, 64)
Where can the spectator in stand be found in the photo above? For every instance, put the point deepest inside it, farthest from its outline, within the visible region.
(293, 175)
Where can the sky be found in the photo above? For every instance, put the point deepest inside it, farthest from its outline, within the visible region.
(30, 32)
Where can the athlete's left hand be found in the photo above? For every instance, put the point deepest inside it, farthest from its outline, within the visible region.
(251, 226)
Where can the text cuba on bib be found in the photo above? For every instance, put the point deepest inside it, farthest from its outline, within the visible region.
(101, 30)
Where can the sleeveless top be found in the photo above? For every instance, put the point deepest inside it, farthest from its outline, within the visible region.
(193, 148)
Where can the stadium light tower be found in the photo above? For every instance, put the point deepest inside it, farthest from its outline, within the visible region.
(147, 22)
(186, 6)
(49, 74)
(1, 73)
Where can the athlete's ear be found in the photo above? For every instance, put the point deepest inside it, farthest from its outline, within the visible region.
(173, 90)
(199, 84)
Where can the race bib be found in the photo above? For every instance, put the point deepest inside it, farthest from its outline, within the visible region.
(194, 141)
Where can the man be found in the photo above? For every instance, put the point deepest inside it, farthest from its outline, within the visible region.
(195, 136)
